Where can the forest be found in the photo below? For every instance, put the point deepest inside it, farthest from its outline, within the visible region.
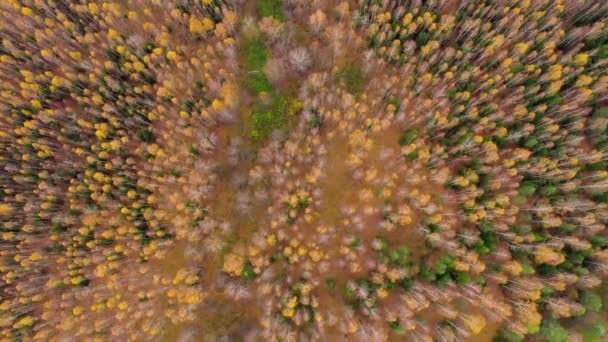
(304, 170)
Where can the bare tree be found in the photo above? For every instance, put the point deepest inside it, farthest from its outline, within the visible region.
(299, 58)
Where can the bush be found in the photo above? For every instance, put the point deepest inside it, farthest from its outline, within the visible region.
(595, 333)
(146, 135)
(591, 301)
(506, 335)
(248, 272)
(553, 331)
(527, 189)
(408, 137)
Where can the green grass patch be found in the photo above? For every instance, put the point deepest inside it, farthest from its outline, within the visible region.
(271, 8)
(266, 118)
(351, 77)
(256, 53)
(257, 82)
